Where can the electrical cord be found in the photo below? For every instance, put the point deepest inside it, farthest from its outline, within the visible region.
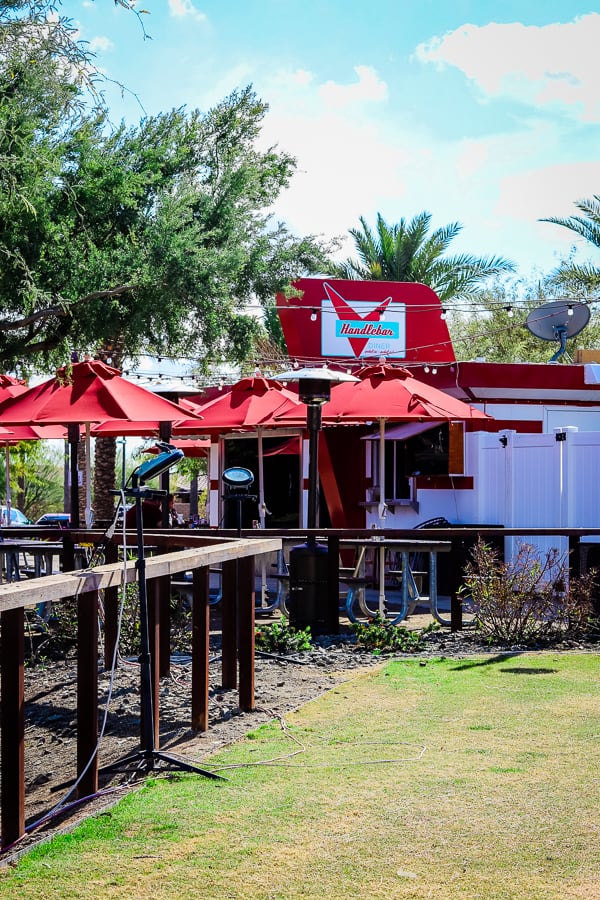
(280, 761)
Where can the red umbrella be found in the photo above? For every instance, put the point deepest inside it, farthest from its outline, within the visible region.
(388, 393)
(250, 405)
(83, 393)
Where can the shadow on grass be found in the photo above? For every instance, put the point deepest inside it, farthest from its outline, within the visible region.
(490, 661)
(502, 657)
(529, 670)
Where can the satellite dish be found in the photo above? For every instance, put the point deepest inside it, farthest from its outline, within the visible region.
(557, 321)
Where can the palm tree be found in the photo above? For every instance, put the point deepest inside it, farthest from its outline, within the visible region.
(407, 252)
(574, 276)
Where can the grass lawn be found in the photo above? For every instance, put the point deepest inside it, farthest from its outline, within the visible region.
(475, 778)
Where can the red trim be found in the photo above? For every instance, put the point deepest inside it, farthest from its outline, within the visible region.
(525, 426)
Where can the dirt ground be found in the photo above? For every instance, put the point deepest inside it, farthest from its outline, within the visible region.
(282, 684)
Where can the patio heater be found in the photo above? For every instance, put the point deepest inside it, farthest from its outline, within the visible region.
(309, 563)
(148, 756)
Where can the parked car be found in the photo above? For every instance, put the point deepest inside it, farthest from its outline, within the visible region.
(63, 520)
(16, 516)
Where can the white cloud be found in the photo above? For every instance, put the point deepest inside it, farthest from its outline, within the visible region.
(554, 65)
(368, 89)
(101, 43)
(183, 8)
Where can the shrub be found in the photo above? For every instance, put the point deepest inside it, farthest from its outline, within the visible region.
(279, 637)
(528, 599)
(382, 636)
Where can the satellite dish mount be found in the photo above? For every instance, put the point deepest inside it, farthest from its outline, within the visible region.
(558, 321)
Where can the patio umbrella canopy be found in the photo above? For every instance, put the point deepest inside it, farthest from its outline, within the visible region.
(80, 394)
(251, 405)
(389, 393)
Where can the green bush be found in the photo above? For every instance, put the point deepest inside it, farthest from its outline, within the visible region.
(279, 637)
(381, 636)
(529, 599)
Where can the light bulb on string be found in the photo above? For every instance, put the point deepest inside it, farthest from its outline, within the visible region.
(570, 309)
(313, 315)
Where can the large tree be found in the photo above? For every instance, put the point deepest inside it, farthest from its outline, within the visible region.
(407, 251)
(152, 238)
(572, 276)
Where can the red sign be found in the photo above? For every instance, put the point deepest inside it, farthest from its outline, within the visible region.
(364, 320)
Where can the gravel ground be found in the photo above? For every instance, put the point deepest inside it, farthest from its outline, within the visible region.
(282, 684)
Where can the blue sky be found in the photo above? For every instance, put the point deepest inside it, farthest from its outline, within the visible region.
(483, 113)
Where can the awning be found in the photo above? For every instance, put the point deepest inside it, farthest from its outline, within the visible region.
(404, 431)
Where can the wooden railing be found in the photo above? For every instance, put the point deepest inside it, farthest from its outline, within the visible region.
(235, 556)
(204, 548)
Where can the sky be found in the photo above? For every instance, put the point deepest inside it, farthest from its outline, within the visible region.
(485, 113)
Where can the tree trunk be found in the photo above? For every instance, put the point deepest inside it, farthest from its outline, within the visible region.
(105, 457)
(104, 478)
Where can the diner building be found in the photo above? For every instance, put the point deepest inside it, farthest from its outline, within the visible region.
(534, 462)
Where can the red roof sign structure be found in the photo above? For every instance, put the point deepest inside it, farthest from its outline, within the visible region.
(364, 320)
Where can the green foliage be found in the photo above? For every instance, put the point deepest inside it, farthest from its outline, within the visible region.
(571, 276)
(496, 331)
(529, 599)
(36, 478)
(279, 637)
(381, 636)
(155, 238)
(406, 251)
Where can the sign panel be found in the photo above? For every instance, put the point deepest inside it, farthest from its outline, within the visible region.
(364, 328)
(363, 320)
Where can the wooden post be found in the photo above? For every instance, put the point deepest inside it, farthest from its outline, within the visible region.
(111, 611)
(229, 624)
(12, 742)
(154, 638)
(164, 601)
(456, 553)
(246, 632)
(200, 648)
(333, 584)
(87, 692)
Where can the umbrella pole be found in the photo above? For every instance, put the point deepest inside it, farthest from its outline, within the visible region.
(88, 477)
(73, 431)
(261, 511)
(7, 472)
(382, 511)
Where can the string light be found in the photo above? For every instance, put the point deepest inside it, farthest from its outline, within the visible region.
(313, 315)
(443, 313)
(434, 370)
(570, 309)
(509, 311)
(426, 368)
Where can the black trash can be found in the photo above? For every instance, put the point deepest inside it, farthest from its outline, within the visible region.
(310, 602)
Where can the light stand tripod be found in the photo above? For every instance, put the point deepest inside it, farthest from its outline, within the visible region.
(148, 756)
